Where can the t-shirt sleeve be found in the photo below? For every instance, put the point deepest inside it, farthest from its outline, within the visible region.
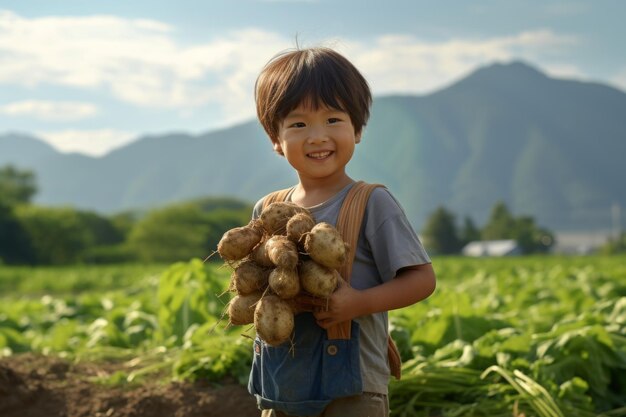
(391, 238)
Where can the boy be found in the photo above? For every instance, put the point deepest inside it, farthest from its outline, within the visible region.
(313, 104)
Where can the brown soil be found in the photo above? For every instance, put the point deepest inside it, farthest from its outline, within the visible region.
(37, 386)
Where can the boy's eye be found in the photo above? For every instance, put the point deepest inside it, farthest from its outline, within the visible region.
(333, 120)
(297, 124)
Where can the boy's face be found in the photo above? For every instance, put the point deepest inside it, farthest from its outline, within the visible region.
(317, 143)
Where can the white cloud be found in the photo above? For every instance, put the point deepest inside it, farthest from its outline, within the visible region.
(619, 79)
(140, 61)
(90, 142)
(55, 111)
(401, 63)
(565, 71)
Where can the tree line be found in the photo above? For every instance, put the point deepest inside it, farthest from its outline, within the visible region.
(442, 235)
(33, 234)
(38, 235)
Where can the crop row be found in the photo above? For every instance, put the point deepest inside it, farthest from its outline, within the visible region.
(540, 336)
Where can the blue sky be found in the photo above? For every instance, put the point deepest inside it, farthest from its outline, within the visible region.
(88, 76)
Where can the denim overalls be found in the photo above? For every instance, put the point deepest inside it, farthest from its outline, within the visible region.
(303, 377)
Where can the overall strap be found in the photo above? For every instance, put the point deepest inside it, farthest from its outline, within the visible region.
(276, 196)
(349, 226)
(350, 218)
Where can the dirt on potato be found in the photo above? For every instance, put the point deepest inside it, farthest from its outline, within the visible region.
(37, 386)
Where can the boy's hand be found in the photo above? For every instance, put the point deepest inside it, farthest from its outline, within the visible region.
(410, 285)
(343, 305)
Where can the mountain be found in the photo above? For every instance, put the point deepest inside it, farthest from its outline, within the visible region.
(156, 170)
(23, 150)
(547, 147)
(550, 148)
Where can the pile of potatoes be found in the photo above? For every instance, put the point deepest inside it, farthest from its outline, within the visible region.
(277, 259)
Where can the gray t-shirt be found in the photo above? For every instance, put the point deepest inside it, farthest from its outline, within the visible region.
(387, 243)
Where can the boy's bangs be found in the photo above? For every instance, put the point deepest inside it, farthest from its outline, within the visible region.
(314, 93)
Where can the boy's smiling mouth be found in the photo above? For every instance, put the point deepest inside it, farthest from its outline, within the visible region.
(319, 155)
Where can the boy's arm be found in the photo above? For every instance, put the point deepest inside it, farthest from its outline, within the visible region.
(410, 285)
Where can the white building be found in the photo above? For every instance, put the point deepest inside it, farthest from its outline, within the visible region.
(506, 247)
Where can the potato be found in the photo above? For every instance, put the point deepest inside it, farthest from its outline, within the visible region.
(260, 256)
(273, 320)
(298, 225)
(325, 246)
(317, 279)
(237, 243)
(284, 282)
(282, 251)
(241, 308)
(275, 216)
(249, 277)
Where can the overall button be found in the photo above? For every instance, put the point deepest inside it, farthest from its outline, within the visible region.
(331, 350)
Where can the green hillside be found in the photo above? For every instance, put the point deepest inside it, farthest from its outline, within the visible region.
(548, 147)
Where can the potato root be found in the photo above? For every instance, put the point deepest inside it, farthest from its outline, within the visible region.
(282, 252)
(249, 277)
(284, 282)
(273, 320)
(260, 256)
(298, 225)
(241, 308)
(237, 243)
(275, 216)
(317, 279)
(325, 246)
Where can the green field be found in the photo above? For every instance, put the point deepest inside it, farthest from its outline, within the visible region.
(531, 336)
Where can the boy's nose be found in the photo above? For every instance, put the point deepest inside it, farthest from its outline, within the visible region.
(317, 135)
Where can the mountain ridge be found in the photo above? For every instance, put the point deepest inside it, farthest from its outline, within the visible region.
(548, 147)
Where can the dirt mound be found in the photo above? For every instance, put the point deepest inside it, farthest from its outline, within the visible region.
(38, 386)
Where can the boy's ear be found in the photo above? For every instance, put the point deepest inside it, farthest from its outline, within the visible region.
(357, 138)
(277, 147)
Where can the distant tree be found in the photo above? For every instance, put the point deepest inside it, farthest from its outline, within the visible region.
(182, 231)
(107, 237)
(124, 221)
(63, 235)
(440, 232)
(500, 225)
(530, 237)
(503, 225)
(469, 231)
(16, 186)
(14, 241)
(56, 235)
(170, 234)
(211, 204)
(102, 229)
